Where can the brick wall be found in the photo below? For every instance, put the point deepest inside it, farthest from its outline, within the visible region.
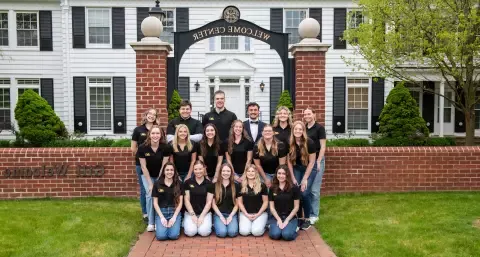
(348, 170)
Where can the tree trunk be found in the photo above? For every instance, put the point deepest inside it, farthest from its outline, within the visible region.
(469, 126)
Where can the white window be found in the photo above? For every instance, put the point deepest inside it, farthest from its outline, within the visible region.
(5, 118)
(447, 108)
(355, 18)
(24, 84)
(27, 29)
(100, 104)
(229, 42)
(99, 27)
(292, 21)
(168, 27)
(357, 103)
(3, 28)
(247, 44)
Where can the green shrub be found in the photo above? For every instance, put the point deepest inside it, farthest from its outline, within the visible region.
(174, 106)
(285, 100)
(37, 121)
(386, 141)
(440, 141)
(348, 142)
(4, 143)
(125, 142)
(96, 142)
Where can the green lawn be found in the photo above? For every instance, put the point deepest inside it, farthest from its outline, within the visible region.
(402, 225)
(82, 227)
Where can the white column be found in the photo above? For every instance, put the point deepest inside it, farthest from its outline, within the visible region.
(241, 115)
(441, 105)
(217, 83)
(206, 87)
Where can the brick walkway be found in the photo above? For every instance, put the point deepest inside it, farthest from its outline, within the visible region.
(308, 244)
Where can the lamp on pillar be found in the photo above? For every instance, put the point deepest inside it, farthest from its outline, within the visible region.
(157, 12)
(152, 26)
(262, 86)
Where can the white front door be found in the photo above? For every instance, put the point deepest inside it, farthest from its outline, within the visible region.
(234, 100)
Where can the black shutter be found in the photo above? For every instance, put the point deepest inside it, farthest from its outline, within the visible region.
(170, 77)
(80, 104)
(428, 108)
(316, 13)
(78, 27)
(142, 13)
(46, 36)
(119, 105)
(275, 92)
(378, 95)
(339, 87)
(293, 74)
(339, 26)
(276, 20)
(182, 19)
(46, 89)
(184, 87)
(118, 28)
(459, 116)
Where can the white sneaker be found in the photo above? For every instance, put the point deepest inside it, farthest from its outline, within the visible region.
(151, 228)
(313, 220)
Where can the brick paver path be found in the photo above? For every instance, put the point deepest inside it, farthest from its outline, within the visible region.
(308, 244)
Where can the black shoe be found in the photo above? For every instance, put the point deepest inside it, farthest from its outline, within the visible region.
(305, 225)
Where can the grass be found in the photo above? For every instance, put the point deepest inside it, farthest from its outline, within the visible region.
(400, 225)
(81, 227)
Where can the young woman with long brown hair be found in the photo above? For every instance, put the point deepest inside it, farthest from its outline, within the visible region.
(224, 204)
(239, 149)
(211, 151)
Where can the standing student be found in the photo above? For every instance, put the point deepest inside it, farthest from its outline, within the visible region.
(316, 132)
(211, 151)
(220, 117)
(168, 202)
(282, 124)
(153, 155)
(194, 126)
(139, 136)
(198, 201)
(253, 125)
(253, 203)
(268, 153)
(184, 152)
(302, 157)
(284, 204)
(239, 149)
(224, 203)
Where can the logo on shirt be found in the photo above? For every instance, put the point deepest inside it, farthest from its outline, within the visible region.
(143, 134)
(147, 154)
(160, 190)
(192, 186)
(211, 118)
(276, 133)
(274, 194)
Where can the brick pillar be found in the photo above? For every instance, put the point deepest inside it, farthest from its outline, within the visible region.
(151, 82)
(310, 78)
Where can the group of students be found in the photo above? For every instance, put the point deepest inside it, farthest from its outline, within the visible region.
(244, 174)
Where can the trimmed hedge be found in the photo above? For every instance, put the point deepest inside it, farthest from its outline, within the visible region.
(97, 142)
(348, 142)
(122, 143)
(357, 142)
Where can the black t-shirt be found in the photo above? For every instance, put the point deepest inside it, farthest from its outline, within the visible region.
(310, 148)
(283, 134)
(183, 158)
(316, 132)
(223, 122)
(194, 126)
(239, 154)
(154, 159)
(211, 157)
(198, 193)
(226, 204)
(283, 200)
(165, 194)
(139, 135)
(269, 162)
(253, 202)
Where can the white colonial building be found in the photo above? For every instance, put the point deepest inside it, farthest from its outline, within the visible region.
(76, 54)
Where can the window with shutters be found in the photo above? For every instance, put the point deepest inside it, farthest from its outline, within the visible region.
(27, 28)
(292, 21)
(99, 102)
(358, 103)
(3, 28)
(5, 116)
(24, 84)
(355, 18)
(99, 27)
(168, 26)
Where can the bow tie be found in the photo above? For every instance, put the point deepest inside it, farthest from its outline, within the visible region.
(253, 122)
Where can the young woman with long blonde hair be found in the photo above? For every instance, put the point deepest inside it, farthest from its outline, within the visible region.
(224, 204)
(184, 152)
(282, 124)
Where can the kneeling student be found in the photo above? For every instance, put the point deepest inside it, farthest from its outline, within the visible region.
(225, 205)
(167, 201)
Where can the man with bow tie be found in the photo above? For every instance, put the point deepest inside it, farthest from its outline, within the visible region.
(253, 125)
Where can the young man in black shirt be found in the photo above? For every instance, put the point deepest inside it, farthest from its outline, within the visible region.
(220, 117)
(194, 126)
(254, 126)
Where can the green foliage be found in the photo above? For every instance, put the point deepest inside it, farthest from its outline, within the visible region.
(4, 143)
(174, 106)
(348, 142)
(440, 141)
(285, 100)
(400, 118)
(36, 119)
(122, 143)
(96, 142)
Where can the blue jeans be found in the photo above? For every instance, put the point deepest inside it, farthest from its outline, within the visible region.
(143, 205)
(163, 233)
(149, 201)
(288, 233)
(298, 172)
(222, 230)
(316, 186)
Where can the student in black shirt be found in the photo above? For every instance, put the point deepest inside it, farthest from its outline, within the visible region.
(239, 149)
(211, 151)
(282, 124)
(138, 137)
(224, 204)
(184, 152)
(198, 201)
(168, 202)
(316, 132)
(194, 126)
(268, 153)
(301, 161)
(253, 203)
(153, 154)
(284, 204)
(220, 117)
